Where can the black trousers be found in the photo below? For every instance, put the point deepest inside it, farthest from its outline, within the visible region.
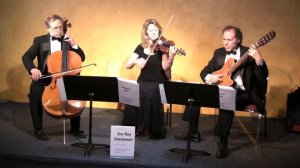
(225, 117)
(150, 114)
(36, 108)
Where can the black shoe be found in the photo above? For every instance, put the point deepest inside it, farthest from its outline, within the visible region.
(158, 135)
(196, 137)
(78, 134)
(222, 150)
(139, 132)
(39, 134)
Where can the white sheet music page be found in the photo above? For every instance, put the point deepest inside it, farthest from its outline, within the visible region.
(62, 90)
(162, 94)
(129, 92)
(227, 98)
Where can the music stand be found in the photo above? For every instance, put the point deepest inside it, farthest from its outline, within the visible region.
(93, 89)
(191, 94)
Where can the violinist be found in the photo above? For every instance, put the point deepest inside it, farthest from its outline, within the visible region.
(155, 68)
(42, 47)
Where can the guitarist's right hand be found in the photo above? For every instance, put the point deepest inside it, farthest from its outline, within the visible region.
(214, 79)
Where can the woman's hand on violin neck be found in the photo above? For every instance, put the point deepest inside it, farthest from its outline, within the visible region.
(172, 51)
(35, 74)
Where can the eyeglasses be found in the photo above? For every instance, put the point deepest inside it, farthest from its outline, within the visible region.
(57, 28)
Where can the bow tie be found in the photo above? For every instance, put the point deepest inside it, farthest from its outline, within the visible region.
(231, 52)
(56, 38)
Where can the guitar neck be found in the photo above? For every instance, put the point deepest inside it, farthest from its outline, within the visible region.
(242, 59)
(238, 63)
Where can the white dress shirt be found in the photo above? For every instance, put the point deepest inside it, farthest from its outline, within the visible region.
(56, 45)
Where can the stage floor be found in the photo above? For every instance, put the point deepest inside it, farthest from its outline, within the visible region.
(18, 147)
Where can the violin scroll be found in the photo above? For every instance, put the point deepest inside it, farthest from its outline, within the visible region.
(66, 25)
(181, 51)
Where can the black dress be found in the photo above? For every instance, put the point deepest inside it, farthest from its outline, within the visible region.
(150, 114)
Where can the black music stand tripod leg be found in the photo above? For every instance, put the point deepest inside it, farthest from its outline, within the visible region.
(90, 146)
(188, 152)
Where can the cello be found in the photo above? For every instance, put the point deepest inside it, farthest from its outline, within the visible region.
(62, 61)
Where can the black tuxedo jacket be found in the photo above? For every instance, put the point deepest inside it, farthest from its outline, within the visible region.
(253, 74)
(40, 49)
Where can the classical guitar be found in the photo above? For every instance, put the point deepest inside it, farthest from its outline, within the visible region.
(230, 65)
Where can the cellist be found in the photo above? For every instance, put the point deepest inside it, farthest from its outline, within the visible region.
(42, 47)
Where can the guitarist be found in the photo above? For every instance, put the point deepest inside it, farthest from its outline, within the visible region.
(246, 79)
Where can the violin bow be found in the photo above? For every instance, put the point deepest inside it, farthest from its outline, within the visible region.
(64, 72)
(159, 37)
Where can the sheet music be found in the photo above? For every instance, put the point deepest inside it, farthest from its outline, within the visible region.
(162, 94)
(62, 90)
(227, 97)
(129, 92)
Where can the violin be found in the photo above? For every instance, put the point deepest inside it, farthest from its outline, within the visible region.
(163, 45)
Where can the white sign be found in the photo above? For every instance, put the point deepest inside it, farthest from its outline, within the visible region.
(129, 92)
(122, 140)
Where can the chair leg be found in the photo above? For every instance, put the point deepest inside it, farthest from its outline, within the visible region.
(265, 125)
(258, 129)
(168, 120)
(167, 116)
